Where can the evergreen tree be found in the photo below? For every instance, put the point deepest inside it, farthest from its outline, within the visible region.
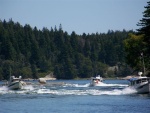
(145, 30)
(138, 46)
(34, 53)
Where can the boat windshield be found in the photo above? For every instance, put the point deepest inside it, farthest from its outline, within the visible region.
(138, 81)
(15, 80)
(96, 79)
(144, 80)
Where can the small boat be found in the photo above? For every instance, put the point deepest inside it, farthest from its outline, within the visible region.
(16, 83)
(140, 84)
(95, 81)
(42, 80)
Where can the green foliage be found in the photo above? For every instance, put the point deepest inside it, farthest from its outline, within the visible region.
(133, 47)
(32, 52)
(138, 46)
(145, 30)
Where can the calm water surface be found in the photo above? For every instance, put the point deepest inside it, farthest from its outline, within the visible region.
(74, 96)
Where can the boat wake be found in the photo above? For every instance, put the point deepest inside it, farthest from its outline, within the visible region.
(104, 84)
(71, 89)
(101, 84)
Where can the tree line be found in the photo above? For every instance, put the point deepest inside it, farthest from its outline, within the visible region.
(137, 45)
(33, 53)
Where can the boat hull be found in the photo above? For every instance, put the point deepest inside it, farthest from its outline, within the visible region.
(93, 83)
(16, 85)
(144, 88)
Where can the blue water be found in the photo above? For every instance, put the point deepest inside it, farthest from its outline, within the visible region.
(74, 96)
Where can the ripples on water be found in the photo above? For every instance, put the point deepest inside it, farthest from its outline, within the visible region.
(73, 96)
(61, 88)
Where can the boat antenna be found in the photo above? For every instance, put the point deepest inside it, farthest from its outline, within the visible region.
(143, 63)
(9, 71)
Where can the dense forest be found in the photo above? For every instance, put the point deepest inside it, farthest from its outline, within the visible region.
(33, 53)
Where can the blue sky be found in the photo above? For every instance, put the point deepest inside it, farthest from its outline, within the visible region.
(81, 16)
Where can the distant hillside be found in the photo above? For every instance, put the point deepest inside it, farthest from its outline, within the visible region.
(33, 53)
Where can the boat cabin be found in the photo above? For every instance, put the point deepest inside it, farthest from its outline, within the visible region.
(13, 78)
(134, 81)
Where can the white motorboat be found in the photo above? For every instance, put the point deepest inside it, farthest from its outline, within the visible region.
(15, 83)
(42, 80)
(140, 84)
(95, 81)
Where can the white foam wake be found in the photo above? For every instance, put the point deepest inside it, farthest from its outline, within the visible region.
(84, 90)
(125, 91)
(28, 87)
(101, 84)
(104, 84)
